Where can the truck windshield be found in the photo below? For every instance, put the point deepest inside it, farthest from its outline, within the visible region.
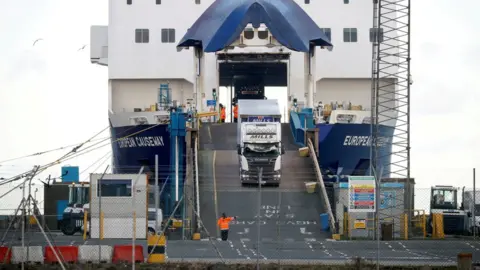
(78, 195)
(263, 150)
(444, 199)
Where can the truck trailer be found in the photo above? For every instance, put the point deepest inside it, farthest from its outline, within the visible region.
(259, 142)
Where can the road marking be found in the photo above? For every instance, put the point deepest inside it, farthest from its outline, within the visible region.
(245, 231)
(472, 246)
(309, 245)
(243, 240)
(239, 253)
(390, 246)
(231, 244)
(401, 244)
(325, 249)
(304, 231)
(215, 188)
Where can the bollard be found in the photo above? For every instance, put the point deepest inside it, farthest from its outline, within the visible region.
(156, 248)
(464, 261)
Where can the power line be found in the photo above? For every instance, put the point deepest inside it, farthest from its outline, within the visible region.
(73, 153)
(43, 168)
(44, 152)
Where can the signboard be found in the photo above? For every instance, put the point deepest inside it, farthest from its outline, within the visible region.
(211, 102)
(260, 119)
(387, 199)
(360, 224)
(361, 194)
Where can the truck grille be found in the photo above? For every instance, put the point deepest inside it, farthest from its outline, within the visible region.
(268, 165)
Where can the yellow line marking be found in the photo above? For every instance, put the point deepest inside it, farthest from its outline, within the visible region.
(215, 188)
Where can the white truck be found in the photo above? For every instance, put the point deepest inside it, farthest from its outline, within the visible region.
(260, 142)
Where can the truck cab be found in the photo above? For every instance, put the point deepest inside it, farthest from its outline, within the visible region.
(72, 217)
(260, 153)
(444, 200)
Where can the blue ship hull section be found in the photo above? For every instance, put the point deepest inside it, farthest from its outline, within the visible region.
(345, 149)
(130, 154)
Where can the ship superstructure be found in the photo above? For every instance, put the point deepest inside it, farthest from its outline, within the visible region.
(148, 73)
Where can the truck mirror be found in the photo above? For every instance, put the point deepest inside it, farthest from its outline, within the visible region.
(239, 151)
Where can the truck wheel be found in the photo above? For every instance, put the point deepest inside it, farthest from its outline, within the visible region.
(68, 229)
(276, 185)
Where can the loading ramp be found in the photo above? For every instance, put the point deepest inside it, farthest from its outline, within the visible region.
(287, 213)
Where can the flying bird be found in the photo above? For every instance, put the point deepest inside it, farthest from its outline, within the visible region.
(37, 41)
(83, 47)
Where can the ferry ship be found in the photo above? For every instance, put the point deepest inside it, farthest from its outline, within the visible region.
(150, 67)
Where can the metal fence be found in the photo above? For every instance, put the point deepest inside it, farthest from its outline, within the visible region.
(276, 225)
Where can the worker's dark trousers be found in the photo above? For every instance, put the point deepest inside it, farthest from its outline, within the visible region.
(224, 234)
(235, 120)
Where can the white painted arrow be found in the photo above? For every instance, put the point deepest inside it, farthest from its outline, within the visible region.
(245, 231)
(268, 215)
(289, 215)
(304, 231)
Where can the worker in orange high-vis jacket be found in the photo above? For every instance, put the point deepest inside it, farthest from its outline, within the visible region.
(223, 114)
(235, 113)
(224, 222)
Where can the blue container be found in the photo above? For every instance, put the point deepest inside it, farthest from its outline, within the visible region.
(70, 174)
(61, 205)
(324, 222)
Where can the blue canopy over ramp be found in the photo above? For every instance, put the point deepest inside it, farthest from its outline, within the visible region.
(222, 23)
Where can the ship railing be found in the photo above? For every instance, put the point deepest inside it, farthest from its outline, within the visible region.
(318, 172)
(139, 118)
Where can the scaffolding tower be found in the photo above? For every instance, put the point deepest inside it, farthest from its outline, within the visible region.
(390, 99)
(391, 82)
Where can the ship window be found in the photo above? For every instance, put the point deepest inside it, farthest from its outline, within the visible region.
(248, 33)
(197, 2)
(307, 1)
(142, 36)
(376, 34)
(328, 33)
(168, 35)
(158, 2)
(114, 188)
(350, 34)
(346, 1)
(129, 2)
(263, 34)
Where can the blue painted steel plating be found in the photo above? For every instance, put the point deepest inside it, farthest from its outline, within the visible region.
(223, 22)
(177, 128)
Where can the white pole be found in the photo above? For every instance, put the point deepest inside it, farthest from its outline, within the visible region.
(176, 169)
(134, 227)
(197, 195)
(156, 193)
(23, 226)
